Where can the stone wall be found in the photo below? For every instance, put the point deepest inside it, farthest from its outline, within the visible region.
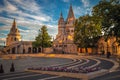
(48, 50)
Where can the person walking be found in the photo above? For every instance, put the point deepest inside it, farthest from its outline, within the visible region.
(108, 54)
(12, 69)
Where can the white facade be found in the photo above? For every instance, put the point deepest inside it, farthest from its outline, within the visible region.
(14, 45)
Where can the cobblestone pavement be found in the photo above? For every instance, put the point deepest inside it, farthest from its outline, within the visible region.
(110, 76)
(27, 62)
(22, 64)
(33, 76)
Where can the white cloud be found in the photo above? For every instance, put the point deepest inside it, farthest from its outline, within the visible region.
(32, 11)
(78, 10)
(8, 7)
(89, 11)
(86, 3)
(29, 5)
(23, 31)
(6, 21)
(2, 39)
(41, 18)
(28, 34)
(2, 34)
(4, 28)
(21, 15)
(52, 29)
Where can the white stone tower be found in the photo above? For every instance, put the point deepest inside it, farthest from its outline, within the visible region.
(14, 35)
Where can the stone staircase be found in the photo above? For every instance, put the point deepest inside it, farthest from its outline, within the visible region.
(4, 51)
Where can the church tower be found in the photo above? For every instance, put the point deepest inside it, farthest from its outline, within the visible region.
(14, 35)
(70, 24)
(70, 20)
(61, 25)
(64, 39)
(70, 17)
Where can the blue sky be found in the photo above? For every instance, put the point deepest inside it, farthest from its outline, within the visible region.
(30, 15)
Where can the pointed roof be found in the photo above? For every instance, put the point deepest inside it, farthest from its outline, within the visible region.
(61, 16)
(14, 29)
(14, 34)
(70, 14)
(14, 24)
(61, 19)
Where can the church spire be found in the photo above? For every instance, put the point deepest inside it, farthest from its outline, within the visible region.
(61, 19)
(61, 16)
(14, 23)
(70, 14)
(14, 27)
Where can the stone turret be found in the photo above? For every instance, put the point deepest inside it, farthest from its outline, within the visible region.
(14, 34)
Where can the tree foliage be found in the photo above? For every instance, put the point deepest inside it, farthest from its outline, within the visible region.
(109, 13)
(86, 29)
(43, 39)
(105, 18)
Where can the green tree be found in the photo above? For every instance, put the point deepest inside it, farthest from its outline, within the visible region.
(43, 39)
(109, 13)
(86, 29)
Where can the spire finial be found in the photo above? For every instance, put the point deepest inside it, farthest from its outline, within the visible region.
(61, 16)
(70, 4)
(14, 23)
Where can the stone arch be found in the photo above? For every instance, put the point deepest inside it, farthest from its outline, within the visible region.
(39, 49)
(34, 50)
(18, 49)
(23, 51)
(101, 47)
(13, 50)
(29, 50)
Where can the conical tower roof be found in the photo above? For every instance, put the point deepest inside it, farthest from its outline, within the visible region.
(70, 14)
(14, 24)
(61, 20)
(61, 16)
(14, 29)
(14, 34)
